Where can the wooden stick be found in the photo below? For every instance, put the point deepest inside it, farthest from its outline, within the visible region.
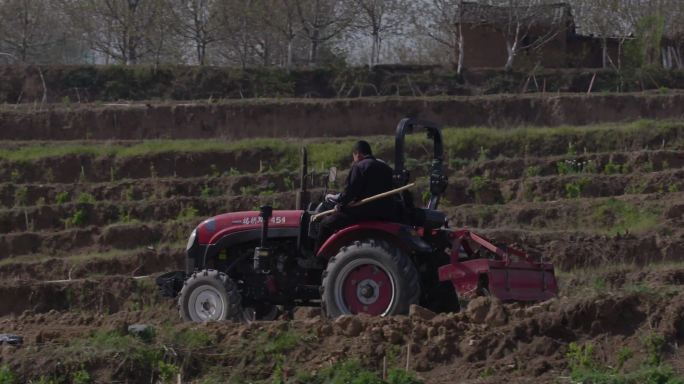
(366, 200)
(384, 367)
(408, 356)
(591, 84)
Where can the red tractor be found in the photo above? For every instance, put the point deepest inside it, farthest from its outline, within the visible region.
(244, 265)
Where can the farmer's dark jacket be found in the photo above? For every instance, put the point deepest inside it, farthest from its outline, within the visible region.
(369, 177)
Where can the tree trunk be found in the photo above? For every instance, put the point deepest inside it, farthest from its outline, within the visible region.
(604, 52)
(288, 64)
(313, 52)
(461, 54)
(202, 53)
(510, 49)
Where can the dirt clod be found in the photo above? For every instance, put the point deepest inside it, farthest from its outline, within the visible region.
(420, 313)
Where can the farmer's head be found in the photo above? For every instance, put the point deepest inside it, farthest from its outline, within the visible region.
(361, 150)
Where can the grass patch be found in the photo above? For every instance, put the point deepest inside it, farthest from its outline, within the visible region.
(281, 343)
(191, 338)
(460, 143)
(618, 216)
(82, 258)
(585, 368)
(6, 375)
(352, 372)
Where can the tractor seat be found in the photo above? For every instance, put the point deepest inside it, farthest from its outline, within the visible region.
(427, 218)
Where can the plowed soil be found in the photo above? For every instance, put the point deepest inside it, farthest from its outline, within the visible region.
(84, 233)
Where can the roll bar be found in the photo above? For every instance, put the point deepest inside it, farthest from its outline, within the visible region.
(438, 180)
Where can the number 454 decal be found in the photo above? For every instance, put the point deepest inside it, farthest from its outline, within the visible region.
(259, 220)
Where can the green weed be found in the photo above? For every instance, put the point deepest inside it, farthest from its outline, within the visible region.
(40, 202)
(282, 343)
(637, 188)
(187, 213)
(81, 377)
(647, 166)
(247, 190)
(167, 372)
(6, 375)
(192, 338)
(624, 354)
(400, 376)
(214, 171)
(483, 155)
(49, 380)
(487, 372)
(86, 198)
(15, 176)
(208, 191)
(349, 372)
(573, 190)
(62, 197)
(581, 357)
(612, 168)
(352, 372)
(654, 343)
(532, 171)
(584, 368)
(128, 194)
(21, 196)
(620, 217)
(672, 188)
(288, 183)
(78, 219)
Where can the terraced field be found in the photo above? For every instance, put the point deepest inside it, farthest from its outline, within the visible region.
(102, 214)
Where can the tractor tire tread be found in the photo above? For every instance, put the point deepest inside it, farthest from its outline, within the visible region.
(403, 263)
(234, 309)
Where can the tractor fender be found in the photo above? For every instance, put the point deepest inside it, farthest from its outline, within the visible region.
(234, 238)
(403, 236)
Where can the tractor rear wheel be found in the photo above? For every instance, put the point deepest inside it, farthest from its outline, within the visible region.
(209, 295)
(369, 277)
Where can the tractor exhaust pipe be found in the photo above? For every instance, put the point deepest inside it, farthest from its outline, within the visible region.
(262, 254)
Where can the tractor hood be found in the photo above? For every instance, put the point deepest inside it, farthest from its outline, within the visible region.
(214, 228)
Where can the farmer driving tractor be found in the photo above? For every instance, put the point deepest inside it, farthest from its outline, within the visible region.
(367, 177)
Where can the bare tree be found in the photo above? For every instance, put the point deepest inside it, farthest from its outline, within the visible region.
(28, 27)
(526, 24)
(322, 21)
(238, 33)
(378, 18)
(281, 16)
(605, 20)
(442, 21)
(197, 21)
(119, 29)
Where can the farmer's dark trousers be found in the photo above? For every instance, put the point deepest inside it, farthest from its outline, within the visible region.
(332, 224)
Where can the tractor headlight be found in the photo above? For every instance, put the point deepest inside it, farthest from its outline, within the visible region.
(191, 239)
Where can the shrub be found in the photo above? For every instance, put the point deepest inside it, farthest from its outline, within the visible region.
(573, 190)
(62, 197)
(86, 198)
(6, 375)
(81, 377)
(78, 219)
(612, 168)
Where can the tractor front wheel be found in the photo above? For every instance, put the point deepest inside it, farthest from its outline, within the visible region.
(369, 277)
(209, 295)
